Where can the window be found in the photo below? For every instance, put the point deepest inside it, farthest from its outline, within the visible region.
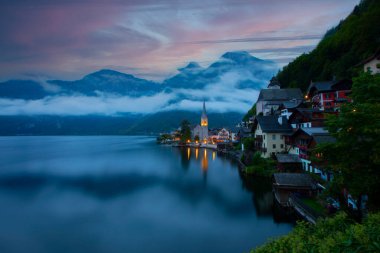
(273, 137)
(274, 145)
(282, 146)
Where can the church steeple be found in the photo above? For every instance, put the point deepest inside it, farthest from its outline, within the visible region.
(204, 119)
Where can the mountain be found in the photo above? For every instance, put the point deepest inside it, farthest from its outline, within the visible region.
(108, 81)
(30, 90)
(111, 102)
(340, 51)
(249, 69)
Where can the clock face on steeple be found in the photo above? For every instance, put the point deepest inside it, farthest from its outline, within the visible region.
(204, 122)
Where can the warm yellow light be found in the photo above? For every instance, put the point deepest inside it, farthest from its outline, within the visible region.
(188, 153)
(306, 97)
(188, 141)
(196, 153)
(354, 110)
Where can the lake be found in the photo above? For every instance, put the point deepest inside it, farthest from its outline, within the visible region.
(127, 194)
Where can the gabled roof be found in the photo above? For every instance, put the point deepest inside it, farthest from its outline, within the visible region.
(376, 56)
(288, 158)
(308, 112)
(315, 131)
(280, 94)
(294, 180)
(324, 138)
(329, 86)
(321, 86)
(270, 124)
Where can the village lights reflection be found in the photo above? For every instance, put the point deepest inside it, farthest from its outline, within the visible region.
(188, 153)
(204, 160)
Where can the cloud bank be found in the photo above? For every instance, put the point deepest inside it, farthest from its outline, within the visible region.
(221, 96)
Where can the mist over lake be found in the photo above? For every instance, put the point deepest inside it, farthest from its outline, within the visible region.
(127, 194)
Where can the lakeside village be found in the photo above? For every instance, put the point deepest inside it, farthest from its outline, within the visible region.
(278, 142)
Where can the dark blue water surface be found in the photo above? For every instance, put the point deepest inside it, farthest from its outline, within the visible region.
(127, 194)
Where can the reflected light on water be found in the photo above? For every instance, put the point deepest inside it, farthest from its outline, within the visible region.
(188, 153)
(196, 153)
(213, 155)
(205, 161)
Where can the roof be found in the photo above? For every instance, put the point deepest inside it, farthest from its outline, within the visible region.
(376, 56)
(329, 85)
(315, 131)
(292, 104)
(324, 138)
(288, 158)
(204, 114)
(280, 94)
(308, 112)
(294, 179)
(270, 124)
(321, 86)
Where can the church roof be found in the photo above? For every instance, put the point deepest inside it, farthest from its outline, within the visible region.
(280, 94)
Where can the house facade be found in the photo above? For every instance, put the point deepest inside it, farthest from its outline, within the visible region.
(302, 143)
(269, 134)
(328, 96)
(373, 63)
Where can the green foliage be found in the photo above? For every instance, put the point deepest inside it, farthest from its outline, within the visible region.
(261, 166)
(355, 157)
(337, 234)
(250, 113)
(340, 51)
(185, 131)
(249, 143)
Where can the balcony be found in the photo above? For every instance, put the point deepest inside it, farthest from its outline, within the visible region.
(302, 146)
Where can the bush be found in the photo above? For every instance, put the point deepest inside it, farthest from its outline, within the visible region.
(261, 166)
(337, 234)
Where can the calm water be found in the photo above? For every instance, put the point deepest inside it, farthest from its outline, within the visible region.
(127, 194)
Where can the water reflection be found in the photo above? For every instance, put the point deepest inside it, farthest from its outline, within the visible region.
(204, 161)
(58, 191)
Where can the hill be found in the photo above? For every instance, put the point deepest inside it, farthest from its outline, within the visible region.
(340, 51)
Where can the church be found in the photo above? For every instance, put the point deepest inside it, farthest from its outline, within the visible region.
(201, 131)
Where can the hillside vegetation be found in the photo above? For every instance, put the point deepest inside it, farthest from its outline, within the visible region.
(340, 51)
(338, 234)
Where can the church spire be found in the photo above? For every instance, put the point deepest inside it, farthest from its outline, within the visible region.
(204, 118)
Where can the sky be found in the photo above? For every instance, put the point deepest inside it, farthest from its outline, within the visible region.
(68, 39)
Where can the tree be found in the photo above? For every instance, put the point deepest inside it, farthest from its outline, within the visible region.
(355, 157)
(185, 131)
